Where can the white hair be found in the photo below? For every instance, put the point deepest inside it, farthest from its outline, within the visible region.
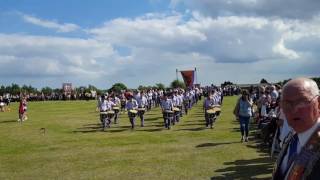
(312, 86)
(308, 85)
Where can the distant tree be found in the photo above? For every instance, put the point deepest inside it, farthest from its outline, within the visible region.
(92, 88)
(117, 87)
(29, 89)
(57, 91)
(160, 86)
(2, 90)
(226, 83)
(177, 84)
(47, 90)
(14, 89)
(263, 81)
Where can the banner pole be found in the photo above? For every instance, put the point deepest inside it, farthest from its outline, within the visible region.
(177, 74)
(196, 75)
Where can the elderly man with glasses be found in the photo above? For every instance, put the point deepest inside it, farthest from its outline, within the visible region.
(300, 154)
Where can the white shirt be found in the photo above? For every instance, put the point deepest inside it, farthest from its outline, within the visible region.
(175, 100)
(106, 105)
(132, 104)
(303, 138)
(285, 129)
(142, 101)
(117, 101)
(166, 104)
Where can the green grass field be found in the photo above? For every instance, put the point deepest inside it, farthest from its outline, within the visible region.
(74, 147)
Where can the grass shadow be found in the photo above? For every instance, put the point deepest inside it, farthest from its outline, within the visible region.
(8, 121)
(214, 144)
(246, 169)
(152, 130)
(192, 129)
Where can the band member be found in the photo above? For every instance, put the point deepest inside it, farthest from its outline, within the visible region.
(142, 104)
(186, 102)
(180, 104)
(149, 98)
(176, 102)
(167, 106)
(105, 105)
(132, 106)
(2, 104)
(123, 100)
(116, 109)
(207, 105)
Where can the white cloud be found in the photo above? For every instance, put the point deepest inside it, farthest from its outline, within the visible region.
(238, 48)
(292, 9)
(65, 27)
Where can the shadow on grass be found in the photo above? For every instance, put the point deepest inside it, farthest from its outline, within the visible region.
(151, 130)
(116, 130)
(193, 124)
(214, 144)
(8, 121)
(88, 131)
(192, 129)
(153, 119)
(246, 169)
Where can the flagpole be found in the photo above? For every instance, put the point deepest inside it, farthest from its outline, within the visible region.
(196, 75)
(177, 74)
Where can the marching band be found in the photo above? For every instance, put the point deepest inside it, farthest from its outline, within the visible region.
(173, 104)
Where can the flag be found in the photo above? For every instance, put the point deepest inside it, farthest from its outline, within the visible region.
(188, 77)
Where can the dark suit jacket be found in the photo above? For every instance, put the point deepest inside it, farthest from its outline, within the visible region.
(312, 169)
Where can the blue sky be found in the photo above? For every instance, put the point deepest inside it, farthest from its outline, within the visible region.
(46, 43)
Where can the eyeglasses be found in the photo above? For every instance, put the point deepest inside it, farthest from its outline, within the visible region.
(287, 105)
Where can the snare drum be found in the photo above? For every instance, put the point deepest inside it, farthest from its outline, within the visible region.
(103, 114)
(116, 109)
(110, 114)
(175, 109)
(217, 109)
(141, 110)
(211, 113)
(132, 113)
(168, 113)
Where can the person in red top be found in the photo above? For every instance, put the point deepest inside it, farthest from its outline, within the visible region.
(23, 109)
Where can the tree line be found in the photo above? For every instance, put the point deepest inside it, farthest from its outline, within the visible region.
(15, 89)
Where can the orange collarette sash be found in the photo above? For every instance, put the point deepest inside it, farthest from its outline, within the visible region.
(306, 159)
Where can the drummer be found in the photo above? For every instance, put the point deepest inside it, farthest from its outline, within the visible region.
(176, 103)
(117, 103)
(105, 105)
(132, 104)
(166, 105)
(207, 104)
(142, 104)
(2, 104)
(180, 104)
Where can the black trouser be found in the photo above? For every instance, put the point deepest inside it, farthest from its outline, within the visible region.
(168, 119)
(210, 119)
(140, 114)
(132, 120)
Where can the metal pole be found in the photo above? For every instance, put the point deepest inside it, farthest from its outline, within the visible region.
(177, 74)
(196, 75)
